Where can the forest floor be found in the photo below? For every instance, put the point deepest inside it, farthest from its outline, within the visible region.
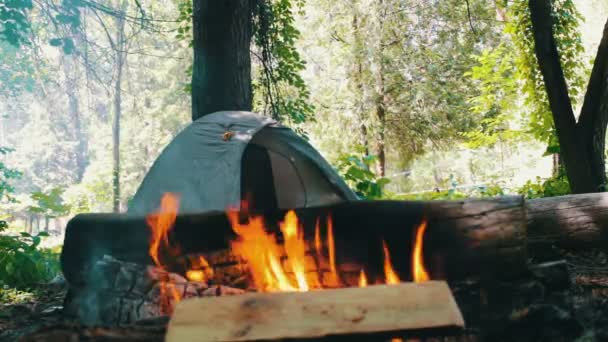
(38, 316)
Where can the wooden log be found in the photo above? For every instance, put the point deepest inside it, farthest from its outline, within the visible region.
(348, 311)
(572, 222)
(465, 237)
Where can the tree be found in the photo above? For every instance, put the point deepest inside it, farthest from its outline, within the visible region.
(221, 73)
(581, 143)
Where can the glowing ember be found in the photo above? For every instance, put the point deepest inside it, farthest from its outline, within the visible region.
(389, 273)
(362, 279)
(160, 224)
(419, 273)
(195, 275)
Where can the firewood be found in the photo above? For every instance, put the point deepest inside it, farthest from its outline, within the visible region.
(348, 311)
(572, 222)
(466, 237)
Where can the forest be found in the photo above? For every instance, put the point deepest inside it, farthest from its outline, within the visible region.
(407, 100)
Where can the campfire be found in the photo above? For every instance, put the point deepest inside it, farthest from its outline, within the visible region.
(285, 263)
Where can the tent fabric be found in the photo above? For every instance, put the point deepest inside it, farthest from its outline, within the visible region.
(204, 166)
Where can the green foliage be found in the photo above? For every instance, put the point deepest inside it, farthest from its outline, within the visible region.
(7, 175)
(356, 171)
(49, 204)
(14, 22)
(184, 22)
(282, 91)
(15, 296)
(554, 186)
(496, 104)
(23, 263)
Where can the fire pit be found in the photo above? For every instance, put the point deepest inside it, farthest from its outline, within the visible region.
(266, 257)
(478, 246)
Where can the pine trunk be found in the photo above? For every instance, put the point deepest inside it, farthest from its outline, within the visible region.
(119, 47)
(78, 134)
(221, 74)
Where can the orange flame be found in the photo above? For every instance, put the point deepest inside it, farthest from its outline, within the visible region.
(160, 224)
(333, 279)
(261, 252)
(389, 273)
(362, 279)
(295, 247)
(419, 272)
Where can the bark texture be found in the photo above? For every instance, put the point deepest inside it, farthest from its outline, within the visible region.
(119, 46)
(221, 74)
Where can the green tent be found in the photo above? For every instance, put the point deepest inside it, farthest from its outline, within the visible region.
(225, 157)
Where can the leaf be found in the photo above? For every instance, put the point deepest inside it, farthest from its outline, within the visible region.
(554, 149)
(68, 46)
(55, 42)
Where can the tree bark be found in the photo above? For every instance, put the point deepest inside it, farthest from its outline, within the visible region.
(221, 73)
(571, 222)
(79, 135)
(381, 94)
(582, 143)
(594, 114)
(469, 237)
(119, 47)
(357, 79)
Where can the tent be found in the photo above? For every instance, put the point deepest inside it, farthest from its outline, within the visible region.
(227, 156)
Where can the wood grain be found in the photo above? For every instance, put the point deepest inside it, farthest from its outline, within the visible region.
(347, 311)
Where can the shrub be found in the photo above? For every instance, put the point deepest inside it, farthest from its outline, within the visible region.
(23, 263)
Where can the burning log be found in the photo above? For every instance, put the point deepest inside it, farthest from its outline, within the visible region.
(463, 237)
(352, 311)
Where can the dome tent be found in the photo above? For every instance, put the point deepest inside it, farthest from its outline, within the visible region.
(227, 156)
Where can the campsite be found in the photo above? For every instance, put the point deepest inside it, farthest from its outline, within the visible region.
(310, 170)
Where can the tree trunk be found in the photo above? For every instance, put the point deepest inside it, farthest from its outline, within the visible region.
(594, 114)
(69, 68)
(119, 46)
(357, 79)
(582, 144)
(221, 73)
(381, 93)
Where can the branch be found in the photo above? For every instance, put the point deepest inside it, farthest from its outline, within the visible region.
(550, 67)
(596, 89)
(470, 19)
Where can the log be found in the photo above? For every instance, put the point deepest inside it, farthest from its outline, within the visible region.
(571, 222)
(466, 237)
(348, 311)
